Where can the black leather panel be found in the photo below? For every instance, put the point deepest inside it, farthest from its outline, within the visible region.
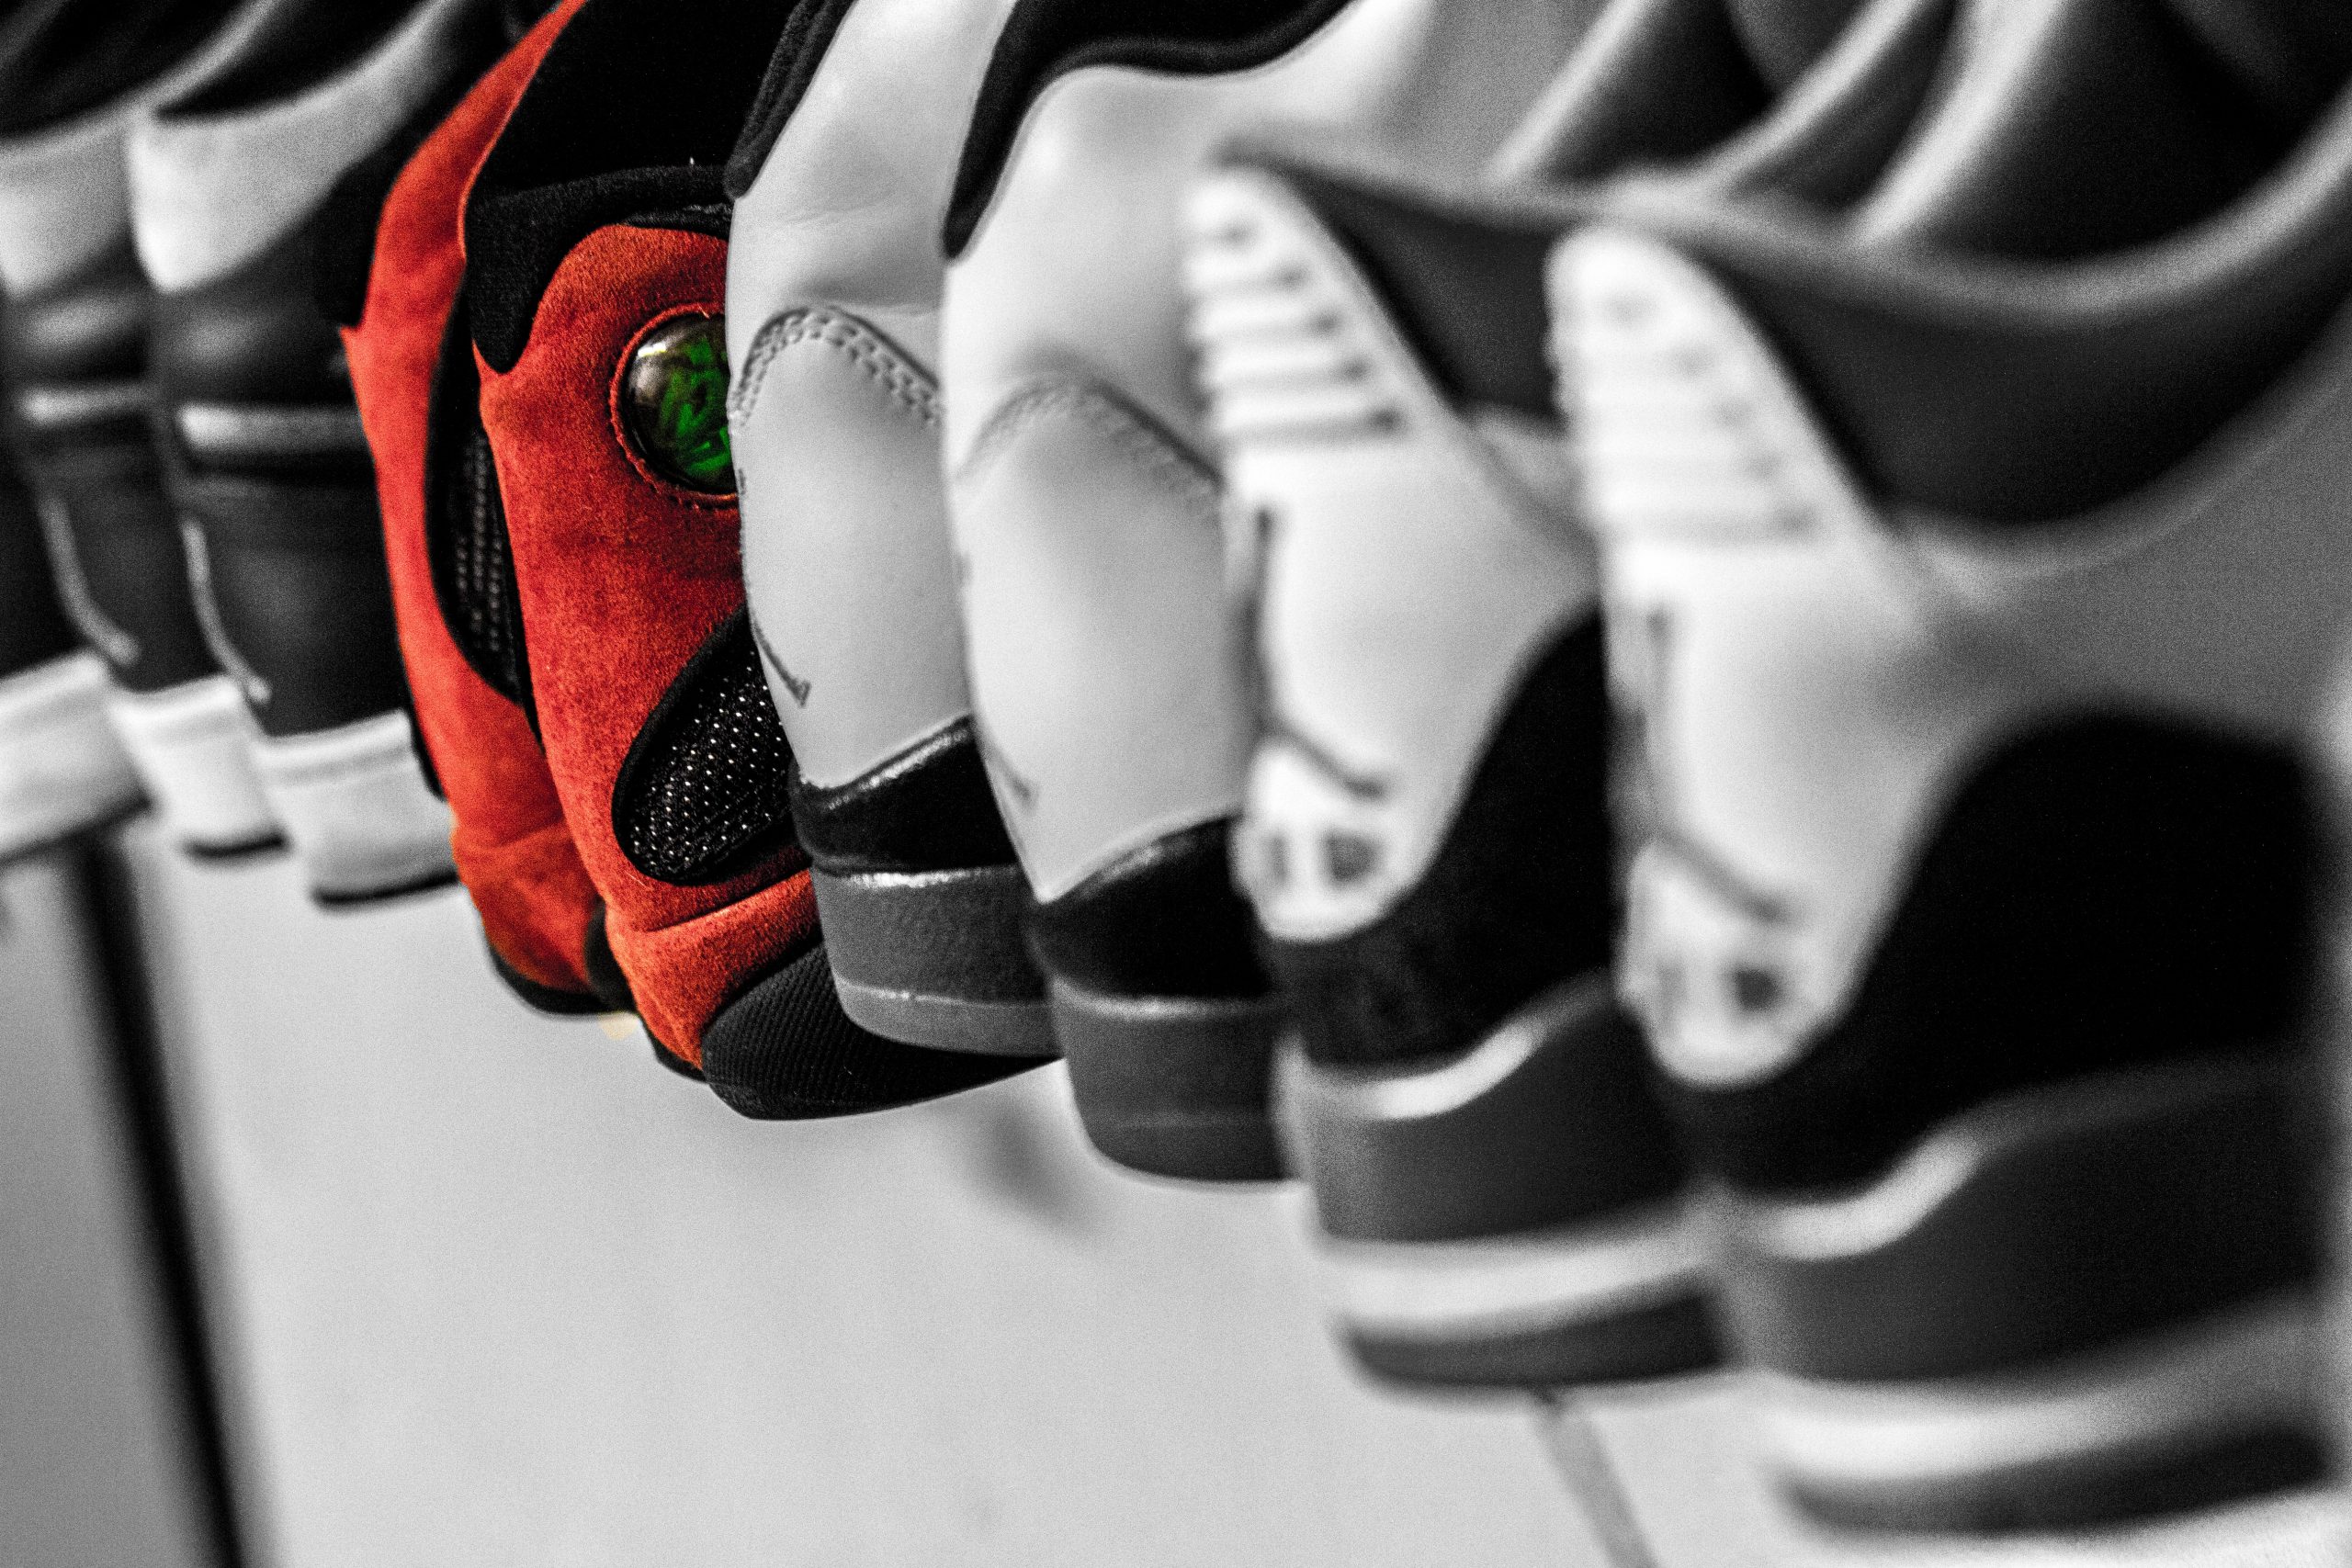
(2112, 128)
(785, 1051)
(1045, 40)
(630, 113)
(1163, 920)
(127, 554)
(33, 629)
(61, 58)
(89, 327)
(1519, 897)
(2102, 894)
(928, 808)
(296, 575)
(1464, 285)
(1667, 79)
(256, 338)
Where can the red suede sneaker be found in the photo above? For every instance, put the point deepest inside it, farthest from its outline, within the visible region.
(453, 587)
(596, 281)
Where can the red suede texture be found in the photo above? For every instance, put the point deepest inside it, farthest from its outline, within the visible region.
(623, 578)
(511, 844)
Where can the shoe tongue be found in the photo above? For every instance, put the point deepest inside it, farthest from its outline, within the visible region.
(2070, 126)
(1784, 37)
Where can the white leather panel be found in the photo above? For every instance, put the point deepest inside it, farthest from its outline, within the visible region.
(357, 807)
(833, 290)
(61, 770)
(1072, 280)
(1104, 650)
(64, 201)
(1816, 681)
(1410, 578)
(192, 746)
(850, 578)
(210, 193)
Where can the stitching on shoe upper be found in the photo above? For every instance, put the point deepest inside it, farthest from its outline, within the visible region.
(1137, 435)
(907, 383)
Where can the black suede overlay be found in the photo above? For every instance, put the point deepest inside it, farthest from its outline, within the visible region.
(635, 110)
(2103, 894)
(1044, 40)
(928, 808)
(702, 792)
(791, 68)
(785, 1051)
(1519, 897)
(1162, 921)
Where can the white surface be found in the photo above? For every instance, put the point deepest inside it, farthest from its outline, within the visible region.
(90, 1469)
(507, 1294)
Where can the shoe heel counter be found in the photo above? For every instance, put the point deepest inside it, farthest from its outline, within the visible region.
(1761, 623)
(846, 556)
(1405, 578)
(1106, 659)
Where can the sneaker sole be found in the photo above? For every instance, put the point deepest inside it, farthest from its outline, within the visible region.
(61, 770)
(1174, 1085)
(2224, 1409)
(1619, 1300)
(2078, 1304)
(936, 959)
(1511, 1215)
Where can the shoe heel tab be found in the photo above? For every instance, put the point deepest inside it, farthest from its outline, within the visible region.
(1683, 419)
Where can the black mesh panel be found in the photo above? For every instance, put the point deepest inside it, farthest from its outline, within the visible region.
(705, 786)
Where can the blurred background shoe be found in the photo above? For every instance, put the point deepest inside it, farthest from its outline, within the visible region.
(834, 285)
(1109, 672)
(74, 75)
(61, 770)
(400, 301)
(1428, 837)
(269, 469)
(1981, 567)
(595, 273)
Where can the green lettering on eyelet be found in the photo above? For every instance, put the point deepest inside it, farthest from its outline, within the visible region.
(674, 399)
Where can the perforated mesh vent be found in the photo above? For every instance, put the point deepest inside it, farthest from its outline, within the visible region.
(489, 622)
(705, 786)
(473, 564)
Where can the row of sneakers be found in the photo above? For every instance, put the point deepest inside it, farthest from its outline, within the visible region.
(1669, 646)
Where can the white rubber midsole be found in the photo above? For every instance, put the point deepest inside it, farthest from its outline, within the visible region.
(62, 769)
(1515, 1284)
(357, 807)
(192, 745)
(2253, 1369)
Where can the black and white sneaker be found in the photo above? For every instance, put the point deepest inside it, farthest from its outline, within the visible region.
(1109, 672)
(1428, 836)
(74, 75)
(1978, 570)
(269, 471)
(833, 328)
